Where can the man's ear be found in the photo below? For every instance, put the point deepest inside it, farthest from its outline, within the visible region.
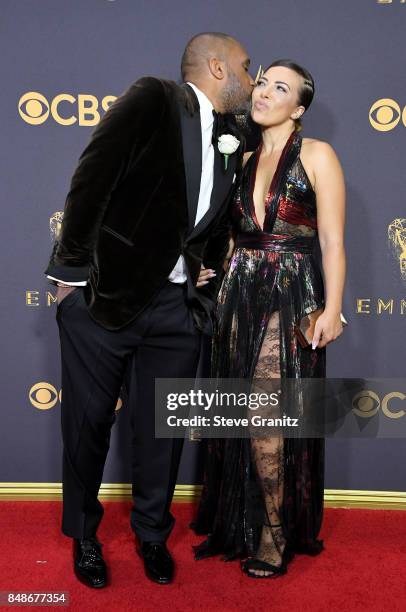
(217, 68)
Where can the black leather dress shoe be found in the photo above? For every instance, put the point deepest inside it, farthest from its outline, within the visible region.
(89, 565)
(158, 563)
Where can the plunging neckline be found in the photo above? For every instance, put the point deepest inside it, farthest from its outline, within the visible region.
(271, 189)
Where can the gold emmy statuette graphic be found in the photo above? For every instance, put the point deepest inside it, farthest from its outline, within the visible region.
(259, 74)
(55, 221)
(43, 396)
(119, 404)
(397, 242)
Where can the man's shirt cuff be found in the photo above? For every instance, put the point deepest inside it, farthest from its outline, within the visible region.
(70, 284)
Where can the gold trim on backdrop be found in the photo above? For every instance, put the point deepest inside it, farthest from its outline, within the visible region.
(52, 491)
(334, 498)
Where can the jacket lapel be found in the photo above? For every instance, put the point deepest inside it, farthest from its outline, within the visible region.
(192, 152)
(192, 158)
(222, 181)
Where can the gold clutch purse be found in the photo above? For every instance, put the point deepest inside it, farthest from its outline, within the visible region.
(305, 329)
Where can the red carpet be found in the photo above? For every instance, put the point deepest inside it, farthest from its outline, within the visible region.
(363, 567)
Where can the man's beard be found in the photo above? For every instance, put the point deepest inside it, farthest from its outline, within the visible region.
(234, 97)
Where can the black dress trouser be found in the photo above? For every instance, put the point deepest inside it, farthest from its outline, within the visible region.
(161, 343)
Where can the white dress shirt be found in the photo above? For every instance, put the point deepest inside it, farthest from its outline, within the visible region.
(178, 274)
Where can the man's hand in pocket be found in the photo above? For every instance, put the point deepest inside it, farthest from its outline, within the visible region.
(62, 292)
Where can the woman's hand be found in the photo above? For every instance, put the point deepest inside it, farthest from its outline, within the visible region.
(231, 245)
(328, 327)
(205, 275)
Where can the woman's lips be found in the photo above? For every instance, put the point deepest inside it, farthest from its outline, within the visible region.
(260, 106)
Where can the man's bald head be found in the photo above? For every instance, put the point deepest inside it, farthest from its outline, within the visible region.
(218, 65)
(200, 49)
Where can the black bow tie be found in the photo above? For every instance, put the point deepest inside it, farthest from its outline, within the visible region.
(218, 126)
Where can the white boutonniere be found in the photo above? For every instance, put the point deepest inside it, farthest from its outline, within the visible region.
(227, 145)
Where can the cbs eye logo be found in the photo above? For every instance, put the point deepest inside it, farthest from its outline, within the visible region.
(35, 109)
(366, 404)
(385, 114)
(45, 396)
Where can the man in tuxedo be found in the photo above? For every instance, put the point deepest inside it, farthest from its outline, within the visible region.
(144, 232)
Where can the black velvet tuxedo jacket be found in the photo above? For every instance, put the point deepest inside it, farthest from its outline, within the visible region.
(130, 210)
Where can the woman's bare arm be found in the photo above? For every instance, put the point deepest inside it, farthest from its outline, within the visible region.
(330, 192)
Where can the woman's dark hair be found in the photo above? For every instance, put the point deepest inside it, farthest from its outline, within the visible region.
(307, 91)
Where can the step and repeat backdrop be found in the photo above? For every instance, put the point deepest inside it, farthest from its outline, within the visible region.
(64, 63)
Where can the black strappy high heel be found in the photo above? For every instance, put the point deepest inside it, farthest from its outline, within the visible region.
(252, 564)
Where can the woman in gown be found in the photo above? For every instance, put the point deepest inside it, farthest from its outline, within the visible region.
(262, 498)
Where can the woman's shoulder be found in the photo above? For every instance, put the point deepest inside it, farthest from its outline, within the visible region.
(319, 159)
(314, 148)
(318, 154)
